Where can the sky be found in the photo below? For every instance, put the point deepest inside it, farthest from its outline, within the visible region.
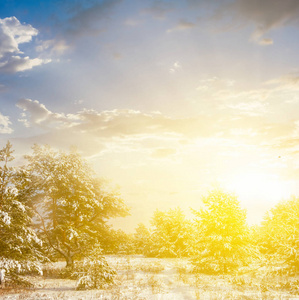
(167, 99)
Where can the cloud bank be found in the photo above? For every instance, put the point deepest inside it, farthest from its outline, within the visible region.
(135, 126)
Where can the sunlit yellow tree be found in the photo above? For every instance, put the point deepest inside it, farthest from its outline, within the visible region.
(171, 233)
(279, 233)
(142, 240)
(72, 203)
(222, 234)
(116, 241)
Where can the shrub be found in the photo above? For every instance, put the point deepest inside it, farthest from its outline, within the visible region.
(14, 268)
(93, 272)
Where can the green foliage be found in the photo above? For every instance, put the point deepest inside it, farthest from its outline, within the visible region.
(171, 234)
(279, 233)
(222, 234)
(72, 203)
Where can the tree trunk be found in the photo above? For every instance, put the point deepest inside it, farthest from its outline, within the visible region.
(2, 278)
(69, 262)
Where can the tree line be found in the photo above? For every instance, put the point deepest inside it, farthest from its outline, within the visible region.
(55, 207)
(218, 239)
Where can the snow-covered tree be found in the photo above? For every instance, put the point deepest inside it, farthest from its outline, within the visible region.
(116, 241)
(19, 245)
(72, 203)
(222, 234)
(142, 240)
(279, 233)
(171, 233)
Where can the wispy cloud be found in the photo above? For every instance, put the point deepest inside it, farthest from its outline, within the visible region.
(265, 42)
(5, 124)
(163, 152)
(289, 81)
(265, 15)
(86, 20)
(252, 108)
(175, 67)
(114, 123)
(214, 83)
(53, 47)
(182, 25)
(159, 8)
(135, 125)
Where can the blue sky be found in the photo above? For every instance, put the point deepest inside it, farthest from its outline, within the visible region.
(166, 98)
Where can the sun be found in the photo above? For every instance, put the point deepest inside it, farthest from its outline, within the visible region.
(259, 185)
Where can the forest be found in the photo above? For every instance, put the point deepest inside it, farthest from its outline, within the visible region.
(54, 213)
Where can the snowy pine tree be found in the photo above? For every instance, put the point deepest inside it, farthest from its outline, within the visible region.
(222, 234)
(19, 244)
(72, 203)
(171, 234)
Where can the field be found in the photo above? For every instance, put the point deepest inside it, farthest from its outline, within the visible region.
(154, 278)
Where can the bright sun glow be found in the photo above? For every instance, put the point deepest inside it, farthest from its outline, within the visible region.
(266, 187)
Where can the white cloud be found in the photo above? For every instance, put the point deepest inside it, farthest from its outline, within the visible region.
(12, 34)
(35, 113)
(175, 67)
(5, 124)
(38, 112)
(18, 64)
(251, 108)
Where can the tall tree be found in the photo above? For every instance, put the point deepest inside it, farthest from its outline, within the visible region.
(171, 233)
(72, 203)
(142, 240)
(19, 244)
(222, 233)
(279, 233)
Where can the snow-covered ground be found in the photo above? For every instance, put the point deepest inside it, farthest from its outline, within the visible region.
(149, 278)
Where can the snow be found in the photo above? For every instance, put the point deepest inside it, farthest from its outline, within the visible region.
(140, 278)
